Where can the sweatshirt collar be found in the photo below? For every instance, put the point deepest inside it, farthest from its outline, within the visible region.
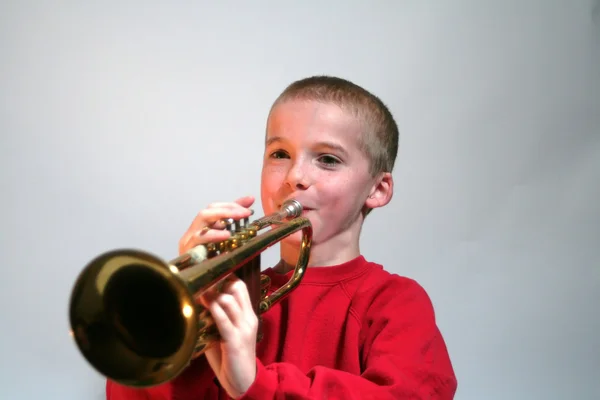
(323, 275)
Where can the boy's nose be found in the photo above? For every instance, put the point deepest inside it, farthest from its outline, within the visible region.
(297, 178)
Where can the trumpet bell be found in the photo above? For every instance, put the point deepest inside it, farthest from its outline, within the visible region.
(130, 318)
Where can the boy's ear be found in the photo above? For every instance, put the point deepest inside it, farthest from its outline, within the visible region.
(382, 191)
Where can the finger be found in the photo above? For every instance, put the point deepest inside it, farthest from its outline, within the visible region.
(204, 236)
(244, 316)
(211, 233)
(228, 292)
(220, 224)
(207, 219)
(239, 290)
(222, 320)
(218, 296)
(242, 202)
(212, 292)
(211, 215)
(232, 308)
(195, 238)
(245, 201)
(212, 218)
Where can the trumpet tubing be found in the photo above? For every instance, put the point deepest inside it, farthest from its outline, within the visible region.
(135, 317)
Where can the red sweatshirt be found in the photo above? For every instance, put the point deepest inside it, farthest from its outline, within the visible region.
(352, 331)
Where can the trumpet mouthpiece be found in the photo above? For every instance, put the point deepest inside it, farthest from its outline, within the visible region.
(292, 208)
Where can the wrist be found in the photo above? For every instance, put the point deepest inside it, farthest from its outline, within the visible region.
(263, 386)
(245, 382)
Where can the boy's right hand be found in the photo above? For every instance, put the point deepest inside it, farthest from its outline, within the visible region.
(233, 358)
(207, 226)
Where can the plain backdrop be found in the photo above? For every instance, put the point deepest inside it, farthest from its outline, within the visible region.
(119, 121)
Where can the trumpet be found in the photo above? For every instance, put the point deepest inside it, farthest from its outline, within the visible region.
(135, 317)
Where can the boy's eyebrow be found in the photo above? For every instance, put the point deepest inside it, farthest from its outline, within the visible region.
(333, 146)
(273, 139)
(330, 145)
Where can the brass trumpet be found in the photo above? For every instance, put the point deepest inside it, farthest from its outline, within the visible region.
(134, 317)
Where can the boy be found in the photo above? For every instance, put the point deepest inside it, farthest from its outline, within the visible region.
(350, 330)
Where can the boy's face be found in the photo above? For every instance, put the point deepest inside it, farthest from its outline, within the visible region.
(312, 154)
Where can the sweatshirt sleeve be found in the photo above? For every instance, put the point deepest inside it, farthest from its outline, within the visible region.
(403, 356)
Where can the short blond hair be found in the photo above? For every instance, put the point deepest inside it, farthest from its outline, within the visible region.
(380, 137)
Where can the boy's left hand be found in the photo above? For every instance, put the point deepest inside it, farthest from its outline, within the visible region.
(233, 358)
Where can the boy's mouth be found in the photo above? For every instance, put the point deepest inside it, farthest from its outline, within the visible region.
(304, 209)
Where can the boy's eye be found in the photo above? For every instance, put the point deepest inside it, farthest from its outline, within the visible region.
(278, 154)
(329, 160)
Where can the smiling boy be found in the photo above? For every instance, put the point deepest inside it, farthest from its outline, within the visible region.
(350, 330)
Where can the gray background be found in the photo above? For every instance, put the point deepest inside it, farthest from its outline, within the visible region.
(121, 120)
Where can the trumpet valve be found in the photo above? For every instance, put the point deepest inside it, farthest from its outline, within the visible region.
(233, 243)
(230, 225)
(251, 232)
